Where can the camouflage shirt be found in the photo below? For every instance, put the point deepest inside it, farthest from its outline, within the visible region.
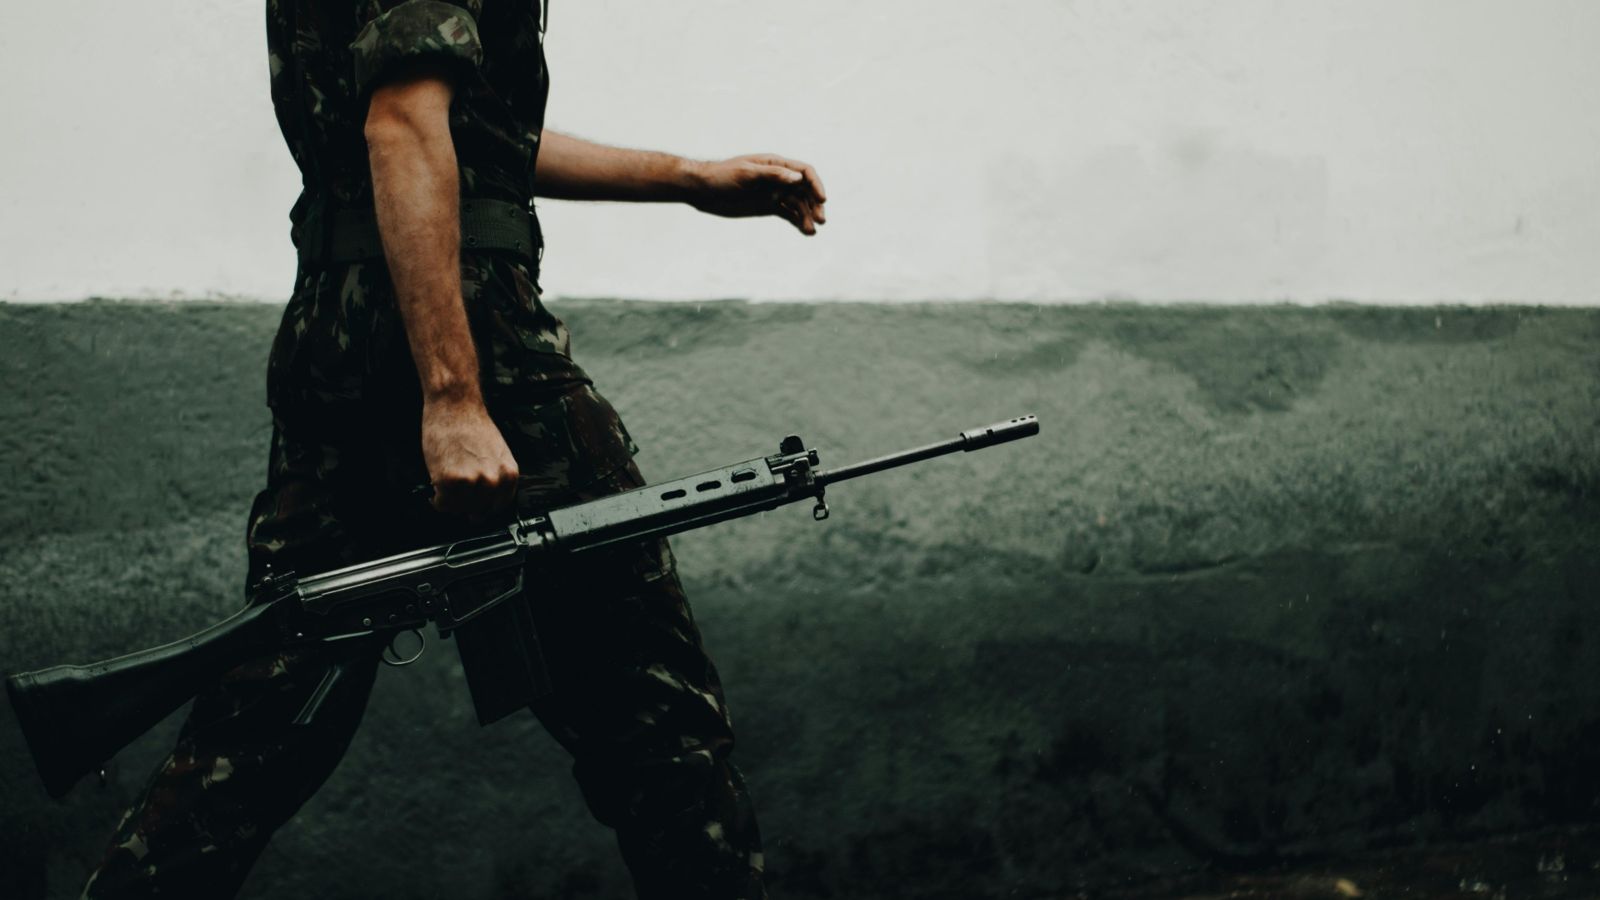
(341, 333)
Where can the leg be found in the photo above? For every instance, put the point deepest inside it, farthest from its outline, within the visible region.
(636, 700)
(641, 709)
(240, 769)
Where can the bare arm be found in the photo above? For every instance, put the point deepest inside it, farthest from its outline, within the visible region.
(417, 197)
(571, 168)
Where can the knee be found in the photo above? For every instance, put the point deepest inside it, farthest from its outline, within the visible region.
(656, 789)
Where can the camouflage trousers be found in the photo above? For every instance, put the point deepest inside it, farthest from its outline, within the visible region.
(636, 701)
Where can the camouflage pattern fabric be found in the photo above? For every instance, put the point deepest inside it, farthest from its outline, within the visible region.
(341, 343)
(422, 30)
(325, 58)
(636, 701)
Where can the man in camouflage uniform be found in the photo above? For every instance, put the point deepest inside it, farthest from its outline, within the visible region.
(414, 349)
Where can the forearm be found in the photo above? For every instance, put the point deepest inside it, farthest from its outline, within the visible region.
(571, 168)
(416, 193)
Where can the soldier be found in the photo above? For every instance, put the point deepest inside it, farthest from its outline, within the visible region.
(415, 348)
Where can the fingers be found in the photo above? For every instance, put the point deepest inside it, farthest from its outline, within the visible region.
(798, 214)
(808, 174)
(476, 495)
(813, 180)
(472, 469)
(798, 210)
(813, 195)
(811, 213)
(781, 174)
(799, 198)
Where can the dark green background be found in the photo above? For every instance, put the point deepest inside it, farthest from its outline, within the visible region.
(1272, 583)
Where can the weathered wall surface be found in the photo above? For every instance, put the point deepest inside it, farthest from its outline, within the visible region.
(1270, 583)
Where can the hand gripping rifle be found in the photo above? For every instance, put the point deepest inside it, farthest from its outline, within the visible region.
(74, 718)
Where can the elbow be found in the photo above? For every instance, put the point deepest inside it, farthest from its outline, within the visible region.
(389, 124)
(409, 110)
(383, 126)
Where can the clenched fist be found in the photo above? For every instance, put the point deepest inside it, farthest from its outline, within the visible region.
(472, 469)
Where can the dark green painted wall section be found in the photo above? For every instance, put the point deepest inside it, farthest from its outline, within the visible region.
(1272, 583)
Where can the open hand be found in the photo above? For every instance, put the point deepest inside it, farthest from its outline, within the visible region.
(761, 184)
(472, 469)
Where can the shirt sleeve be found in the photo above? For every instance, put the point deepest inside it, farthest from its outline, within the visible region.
(416, 31)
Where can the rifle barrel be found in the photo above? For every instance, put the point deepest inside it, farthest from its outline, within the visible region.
(971, 439)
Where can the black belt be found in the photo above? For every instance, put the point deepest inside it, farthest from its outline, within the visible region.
(351, 235)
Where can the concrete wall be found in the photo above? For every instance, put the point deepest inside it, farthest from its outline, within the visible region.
(1271, 584)
(1238, 150)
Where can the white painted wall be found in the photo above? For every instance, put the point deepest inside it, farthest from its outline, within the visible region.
(1232, 150)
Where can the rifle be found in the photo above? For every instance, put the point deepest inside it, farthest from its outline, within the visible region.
(74, 718)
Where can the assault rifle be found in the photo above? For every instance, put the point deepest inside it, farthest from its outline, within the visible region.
(74, 718)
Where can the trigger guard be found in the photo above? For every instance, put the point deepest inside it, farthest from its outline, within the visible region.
(392, 657)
